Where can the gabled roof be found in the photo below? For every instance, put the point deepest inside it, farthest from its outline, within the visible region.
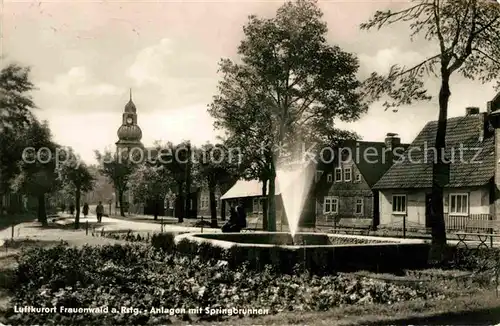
(476, 168)
(372, 168)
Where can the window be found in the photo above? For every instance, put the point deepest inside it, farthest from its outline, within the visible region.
(338, 174)
(359, 206)
(347, 174)
(459, 204)
(329, 177)
(330, 205)
(257, 205)
(399, 204)
(319, 174)
(190, 204)
(358, 177)
(204, 202)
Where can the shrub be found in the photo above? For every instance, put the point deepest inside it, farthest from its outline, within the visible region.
(141, 277)
(137, 276)
(163, 241)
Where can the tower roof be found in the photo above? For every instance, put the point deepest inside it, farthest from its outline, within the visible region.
(129, 133)
(130, 106)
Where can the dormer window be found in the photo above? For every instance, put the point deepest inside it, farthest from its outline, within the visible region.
(347, 174)
(338, 175)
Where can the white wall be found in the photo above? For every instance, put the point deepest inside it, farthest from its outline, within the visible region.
(478, 204)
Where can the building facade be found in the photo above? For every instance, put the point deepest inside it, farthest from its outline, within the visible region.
(344, 186)
(472, 178)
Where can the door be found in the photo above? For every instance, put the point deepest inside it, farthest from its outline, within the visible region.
(428, 211)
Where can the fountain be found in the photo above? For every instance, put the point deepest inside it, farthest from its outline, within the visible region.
(295, 181)
(317, 250)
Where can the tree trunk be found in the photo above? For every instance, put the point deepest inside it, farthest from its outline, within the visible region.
(187, 207)
(223, 210)
(271, 198)
(264, 205)
(42, 212)
(213, 204)
(156, 208)
(77, 203)
(120, 200)
(440, 176)
(1, 203)
(181, 203)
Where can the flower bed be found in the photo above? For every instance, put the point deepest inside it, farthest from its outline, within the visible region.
(142, 278)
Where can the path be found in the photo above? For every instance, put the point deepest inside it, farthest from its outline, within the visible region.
(33, 230)
(113, 224)
(56, 231)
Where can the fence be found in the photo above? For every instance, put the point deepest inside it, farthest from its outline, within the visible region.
(457, 222)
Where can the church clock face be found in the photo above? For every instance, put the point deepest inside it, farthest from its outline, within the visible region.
(129, 120)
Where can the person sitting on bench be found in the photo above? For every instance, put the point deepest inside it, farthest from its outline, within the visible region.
(232, 225)
(242, 216)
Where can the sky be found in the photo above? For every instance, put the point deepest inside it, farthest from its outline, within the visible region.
(86, 55)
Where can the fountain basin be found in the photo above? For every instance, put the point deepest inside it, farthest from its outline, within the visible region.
(328, 252)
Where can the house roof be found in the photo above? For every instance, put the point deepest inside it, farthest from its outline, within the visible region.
(372, 167)
(476, 167)
(285, 178)
(244, 188)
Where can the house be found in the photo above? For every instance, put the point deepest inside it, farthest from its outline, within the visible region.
(249, 192)
(199, 203)
(344, 182)
(340, 184)
(471, 185)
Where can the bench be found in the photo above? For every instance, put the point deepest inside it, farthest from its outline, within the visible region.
(354, 229)
(246, 230)
(487, 231)
(351, 229)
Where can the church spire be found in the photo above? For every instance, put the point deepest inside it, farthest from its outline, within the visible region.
(130, 107)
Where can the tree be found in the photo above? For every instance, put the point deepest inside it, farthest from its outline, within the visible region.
(293, 79)
(118, 167)
(151, 183)
(76, 175)
(16, 105)
(254, 163)
(177, 160)
(15, 99)
(214, 165)
(103, 190)
(38, 173)
(467, 33)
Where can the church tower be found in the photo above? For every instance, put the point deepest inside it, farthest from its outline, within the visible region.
(129, 133)
(129, 137)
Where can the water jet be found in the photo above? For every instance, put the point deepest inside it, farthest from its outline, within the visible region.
(295, 180)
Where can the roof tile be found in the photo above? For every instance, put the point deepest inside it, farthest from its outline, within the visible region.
(472, 161)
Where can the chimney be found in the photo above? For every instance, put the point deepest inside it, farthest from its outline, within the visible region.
(392, 141)
(482, 126)
(471, 110)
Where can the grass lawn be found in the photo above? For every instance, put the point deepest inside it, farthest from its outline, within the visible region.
(480, 308)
